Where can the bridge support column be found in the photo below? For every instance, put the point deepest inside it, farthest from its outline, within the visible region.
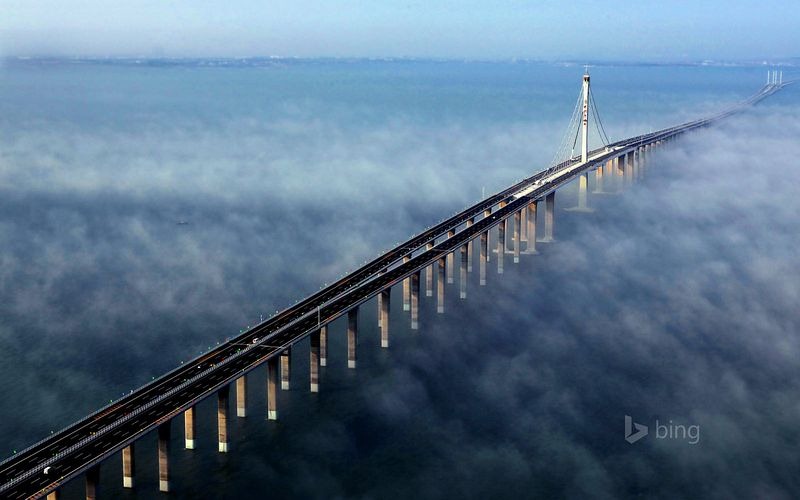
(486, 214)
(380, 306)
(629, 169)
(313, 359)
(241, 396)
(164, 434)
(620, 168)
(450, 259)
(386, 296)
(638, 170)
(323, 345)
(54, 495)
(483, 256)
(440, 285)
(406, 289)
(352, 336)
(92, 481)
(272, 388)
(128, 466)
(286, 368)
(517, 233)
(501, 245)
(463, 273)
(470, 246)
(549, 216)
(524, 226)
(583, 187)
(188, 428)
(223, 396)
(429, 276)
(598, 179)
(415, 300)
(530, 247)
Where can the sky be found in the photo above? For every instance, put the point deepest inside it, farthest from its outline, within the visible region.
(615, 29)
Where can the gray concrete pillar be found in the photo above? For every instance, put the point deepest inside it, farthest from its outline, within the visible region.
(386, 296)
(530, 248)
(598, 178)
(501, 245)
(583, 187)
(380, 306)
(164, 435)
(486, 215)
(524, 227)
(128, 466)
(517, 233)
(313, 360)
(188, 428)
(549, 216)
(470, 246)
(272, 388)
(440, 285)
(450, 259)
(484, 255)
(223, 396)
(415, 300)
(620, 168)
(429, 276)
(241, 396)
(352, 335)
(286, 369)
(92, 481)
(323, 345)
(463, 273)
(406, 289)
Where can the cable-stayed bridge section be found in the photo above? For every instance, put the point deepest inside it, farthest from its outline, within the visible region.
(81, 447)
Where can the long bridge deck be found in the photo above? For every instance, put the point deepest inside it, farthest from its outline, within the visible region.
(87, 442)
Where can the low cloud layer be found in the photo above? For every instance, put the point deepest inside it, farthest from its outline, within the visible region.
(672, 301)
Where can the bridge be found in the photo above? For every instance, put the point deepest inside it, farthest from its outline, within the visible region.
(81, 447)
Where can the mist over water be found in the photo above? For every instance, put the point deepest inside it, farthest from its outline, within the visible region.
(673, 301)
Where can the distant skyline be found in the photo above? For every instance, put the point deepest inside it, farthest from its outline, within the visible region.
(547, 30)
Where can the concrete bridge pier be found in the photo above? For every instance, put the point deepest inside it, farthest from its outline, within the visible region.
(429, 276)
(630, 169)
(470, 246)
(241, 396)
(486, 214)
(54, 495)
(440, 285)
(621, 173)
(501, 245)
(523, 234)
(598, 179)
(92, 481)
(313, 358)
(128, 466)
(272, 388)
(188, 428)
(415, 300)
(223, 396)
(385, 297)
(484, 256)
(352, 336)
(450, 258)
(517, 234)
(463, 274)
(164, 434)
(286, 368)
(549, 217)
(323, 345)
(583, 188)
(406, 289)
(530, 246)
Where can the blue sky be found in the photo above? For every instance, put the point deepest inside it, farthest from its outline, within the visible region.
(614, 29)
